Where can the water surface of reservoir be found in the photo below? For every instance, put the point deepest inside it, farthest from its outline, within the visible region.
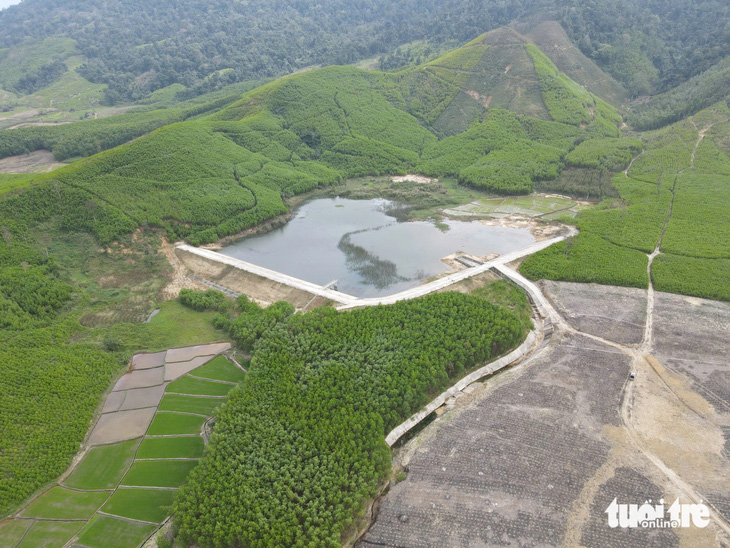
(367, 251)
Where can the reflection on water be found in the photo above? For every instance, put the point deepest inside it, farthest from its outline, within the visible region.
(373, 270)
(369, 253)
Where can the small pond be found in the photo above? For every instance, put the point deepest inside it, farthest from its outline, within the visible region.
(362, 245)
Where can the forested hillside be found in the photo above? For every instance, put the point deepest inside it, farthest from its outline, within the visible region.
(210, 178)
(136, 47)
(674, 200)
(496, 115)
(299, 447)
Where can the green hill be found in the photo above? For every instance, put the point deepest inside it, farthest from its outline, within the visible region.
(227, 171)
(554, 42)
(497, 115)
(135, 48)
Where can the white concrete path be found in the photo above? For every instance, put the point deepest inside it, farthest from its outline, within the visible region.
(348, 301)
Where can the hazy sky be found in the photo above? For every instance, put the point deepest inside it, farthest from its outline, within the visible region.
(6, 3)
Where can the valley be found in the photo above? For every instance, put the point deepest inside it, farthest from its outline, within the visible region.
(464, 302)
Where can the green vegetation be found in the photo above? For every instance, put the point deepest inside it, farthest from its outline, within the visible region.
(219, 368)
(686, 99)
(139, 49)
(587, 184)
(152, 473)
(502, 153)
(13, 530)
(174, 326)
(252, 321)
(205, 300)
(635, 221)
(34, 64)
(607, 154)
(50, 534)
(700, 223)
(166, 424)
(109, 532)
(588, 258)
(189, 404)
(103, 467)
(529, 206)
(191, 386)
(708, 278)
(299, 447)
(12, 182)
(55, 388)
(170, 448)
(53, 368)
(291, 136)
(143, 504)
(679, 181)
(92, 136)
(60, 503)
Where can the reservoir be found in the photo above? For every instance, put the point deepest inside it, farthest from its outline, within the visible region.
(362, 245)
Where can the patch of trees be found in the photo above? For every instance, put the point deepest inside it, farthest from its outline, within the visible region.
(41, 78)
(299, 448)
(689, 97)
(203, 300)
(93, 136)
(138, 47)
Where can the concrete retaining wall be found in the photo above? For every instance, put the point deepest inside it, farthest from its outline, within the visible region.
(488, 369)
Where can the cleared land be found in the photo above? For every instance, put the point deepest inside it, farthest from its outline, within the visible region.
(536, 456)
(614, 313)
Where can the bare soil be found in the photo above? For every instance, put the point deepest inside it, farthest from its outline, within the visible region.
(539, 230)
(536, 455)
(413, 178)
(40, 161)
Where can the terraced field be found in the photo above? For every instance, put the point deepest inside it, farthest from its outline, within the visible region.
(140, 452)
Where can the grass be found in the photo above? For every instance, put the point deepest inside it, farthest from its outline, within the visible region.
(60, 503)
(142, 504)
(13, 530)
(158, 473)
(531, 206)
(103, 467)
(174, 326)
(219, 368)
(71, 92)
(198, 387)
(109, 532)
(165, 424)
(189, 404)
(171, 448)
(50, 534)
(30, 55)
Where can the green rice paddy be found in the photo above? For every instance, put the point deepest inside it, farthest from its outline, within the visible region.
(171, 448)
(143, 504)
(103, 467)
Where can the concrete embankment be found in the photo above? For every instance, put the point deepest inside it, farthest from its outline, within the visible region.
(268, 285)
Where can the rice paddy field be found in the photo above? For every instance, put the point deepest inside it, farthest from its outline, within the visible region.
(119, 494)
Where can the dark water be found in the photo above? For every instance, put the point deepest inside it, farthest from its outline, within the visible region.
(365, 249)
